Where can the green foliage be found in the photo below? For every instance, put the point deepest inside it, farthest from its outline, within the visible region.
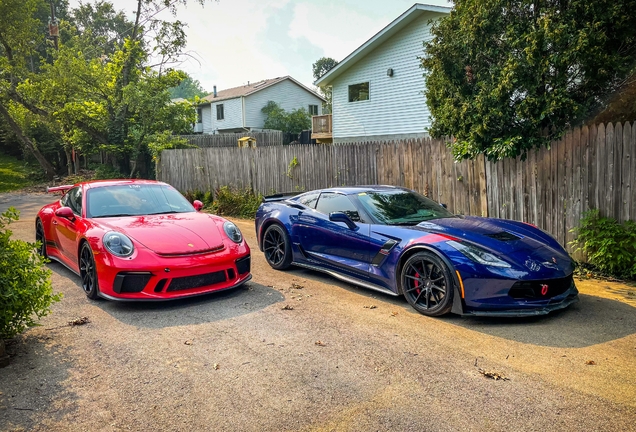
(292, 122)
(503, 77)
(319, 68)
(15, 174)
(241, 203)
(188, 88)
(25, 284)
(105, 171)
(290, 168)
(609, 245)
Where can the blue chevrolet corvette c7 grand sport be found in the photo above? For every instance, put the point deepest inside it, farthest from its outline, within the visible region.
(399, 242)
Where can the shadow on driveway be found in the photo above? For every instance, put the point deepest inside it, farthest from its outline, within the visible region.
(248, 298)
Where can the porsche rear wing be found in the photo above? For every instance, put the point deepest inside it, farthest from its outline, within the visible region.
(62, 189)
(280, 196)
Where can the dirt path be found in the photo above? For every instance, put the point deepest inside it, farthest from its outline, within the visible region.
(238, 361)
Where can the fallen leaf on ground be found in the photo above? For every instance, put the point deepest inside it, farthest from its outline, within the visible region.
(79, 321)
(188, 342)
(590, 362)
(320, 343)
(215, 366)
(394, 313)
(296, 286)
(370, 307)
(287, 307)
(493, 375)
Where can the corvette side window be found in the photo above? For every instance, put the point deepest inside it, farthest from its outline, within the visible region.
(332, 202)
(309, 200)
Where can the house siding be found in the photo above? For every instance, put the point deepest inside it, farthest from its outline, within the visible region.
(286, 93)
(206, 116)
(396, 104)
(233, 115)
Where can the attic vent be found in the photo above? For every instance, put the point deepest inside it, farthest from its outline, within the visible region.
(504, 236)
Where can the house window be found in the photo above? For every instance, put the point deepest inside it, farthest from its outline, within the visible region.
(359, 92)
(313, 110)
(199, 115)
(219, 112)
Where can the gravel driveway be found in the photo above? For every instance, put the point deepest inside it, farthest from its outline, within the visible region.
(320, 355)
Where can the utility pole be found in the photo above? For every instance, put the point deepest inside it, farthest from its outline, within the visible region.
(54, 27)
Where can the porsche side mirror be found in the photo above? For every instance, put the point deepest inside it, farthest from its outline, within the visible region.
(198, 205)
(342, 217)
(65, 212)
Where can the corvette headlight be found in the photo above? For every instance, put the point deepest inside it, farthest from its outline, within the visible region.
(478, 255)
(233, 232)
(118, 244)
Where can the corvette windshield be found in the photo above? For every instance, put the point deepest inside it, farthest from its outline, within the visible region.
(400, 207)
(135, 200)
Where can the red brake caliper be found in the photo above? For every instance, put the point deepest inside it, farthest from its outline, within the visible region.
(417, 283)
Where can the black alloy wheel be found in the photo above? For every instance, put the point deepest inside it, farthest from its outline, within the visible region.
(88, 272)
(39, 237)
(277, 247)
(427, 284)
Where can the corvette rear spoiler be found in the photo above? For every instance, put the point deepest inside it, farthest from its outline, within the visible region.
(280, 196)
(62, 189)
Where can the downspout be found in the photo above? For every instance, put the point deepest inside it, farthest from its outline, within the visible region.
(243, 110)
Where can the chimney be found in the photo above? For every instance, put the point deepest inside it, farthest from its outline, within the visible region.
(214, 91)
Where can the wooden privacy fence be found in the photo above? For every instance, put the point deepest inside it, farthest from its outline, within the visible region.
(263, 139)
(591, 167)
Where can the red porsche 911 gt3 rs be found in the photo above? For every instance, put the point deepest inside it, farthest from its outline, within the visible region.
(141, 240)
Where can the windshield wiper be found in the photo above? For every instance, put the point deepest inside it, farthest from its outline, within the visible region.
(404, 223)
(115, 215)
(165, 212)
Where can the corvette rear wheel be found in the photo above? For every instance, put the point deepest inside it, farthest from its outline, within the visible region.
(427, 284)
(88, 272)
(277, 247)
(39, 237)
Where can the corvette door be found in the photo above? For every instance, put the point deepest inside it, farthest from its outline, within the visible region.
(334, 244)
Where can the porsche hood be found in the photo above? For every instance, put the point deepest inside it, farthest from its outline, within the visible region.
(170, 234)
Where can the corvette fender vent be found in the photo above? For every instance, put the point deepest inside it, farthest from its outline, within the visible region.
(191, 282)
(541, 289)
(504, 236)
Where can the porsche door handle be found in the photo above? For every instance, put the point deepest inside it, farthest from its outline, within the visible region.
(54, 222)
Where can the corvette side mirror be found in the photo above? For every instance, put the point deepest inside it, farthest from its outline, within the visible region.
(342, 217)
(443, 205)
(65, 212)
(198, 205)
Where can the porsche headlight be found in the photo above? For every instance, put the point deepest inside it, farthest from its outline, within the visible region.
(233, 232)
(118, 244)
(478, 255)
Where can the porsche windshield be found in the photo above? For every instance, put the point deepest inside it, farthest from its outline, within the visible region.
(401, 207)
(135, 200)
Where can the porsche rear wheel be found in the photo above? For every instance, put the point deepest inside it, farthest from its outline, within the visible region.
(427, 284)
(39, 237)
(88, 272)
(277, 247)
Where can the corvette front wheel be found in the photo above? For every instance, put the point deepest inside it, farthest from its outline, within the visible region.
(277, 247)
(88, 272)
(427, 284)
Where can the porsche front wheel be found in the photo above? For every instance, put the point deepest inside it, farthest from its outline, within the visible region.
(88, 272)
(427, 284)
(277, 247)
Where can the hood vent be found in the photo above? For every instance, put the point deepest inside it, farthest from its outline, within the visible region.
(504, 236)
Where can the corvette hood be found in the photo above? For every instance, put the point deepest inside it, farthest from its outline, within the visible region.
(170, 234)
(513, 242)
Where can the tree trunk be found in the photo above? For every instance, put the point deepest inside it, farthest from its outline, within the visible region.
(49, 170)
(69, 162)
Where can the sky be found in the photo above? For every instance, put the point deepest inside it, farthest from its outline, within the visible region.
(239, 41)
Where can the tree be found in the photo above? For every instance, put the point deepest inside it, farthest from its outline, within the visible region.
(293, 122)
(503, 77)
(319, 68)
(187, 89)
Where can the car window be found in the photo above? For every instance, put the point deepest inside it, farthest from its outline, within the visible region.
(74, 200)
(401, 207)
(332, 202)
(135, 200)
(309, 199)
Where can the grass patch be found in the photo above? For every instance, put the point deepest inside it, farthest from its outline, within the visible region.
(15, 174)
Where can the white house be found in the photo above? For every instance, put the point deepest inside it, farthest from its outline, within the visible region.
(377, 89)
(238, 109)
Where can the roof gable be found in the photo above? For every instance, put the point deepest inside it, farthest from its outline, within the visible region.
(249, 89)
(379, 38)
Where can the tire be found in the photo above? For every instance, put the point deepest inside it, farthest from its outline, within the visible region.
(277, 247)
(88, 272)
(40, 237)
(427, 284)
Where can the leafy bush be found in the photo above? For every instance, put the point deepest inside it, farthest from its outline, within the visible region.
(609, 245)
(25, 284)
(105, 171)
(241, 203)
